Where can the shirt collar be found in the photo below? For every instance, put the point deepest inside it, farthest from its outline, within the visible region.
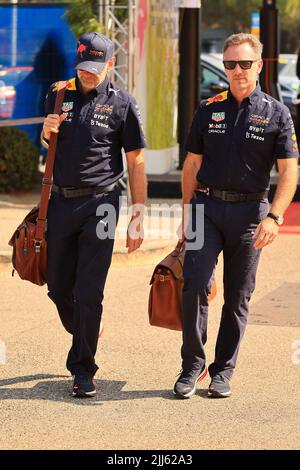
(251, 98)
(101, 89)
(255, 94)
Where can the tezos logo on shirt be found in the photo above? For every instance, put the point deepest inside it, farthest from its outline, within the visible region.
(218, 116)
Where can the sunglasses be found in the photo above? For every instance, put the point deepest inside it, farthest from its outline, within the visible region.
(244, 64)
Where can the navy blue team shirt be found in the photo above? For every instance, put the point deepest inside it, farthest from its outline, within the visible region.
(240, 144)
(99, 124)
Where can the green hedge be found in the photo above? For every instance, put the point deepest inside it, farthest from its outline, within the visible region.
(19, 159)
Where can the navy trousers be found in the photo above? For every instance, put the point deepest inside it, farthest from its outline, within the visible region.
(228, 227)
(77, 267)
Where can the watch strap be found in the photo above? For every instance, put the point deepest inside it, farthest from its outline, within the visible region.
(274, 217)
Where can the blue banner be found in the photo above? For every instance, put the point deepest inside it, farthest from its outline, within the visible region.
(37, 48)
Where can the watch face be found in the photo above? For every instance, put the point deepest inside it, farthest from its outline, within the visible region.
(280, 219)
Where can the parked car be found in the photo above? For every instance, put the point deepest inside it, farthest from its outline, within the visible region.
(287, 71)
(213, 79)
(10, 77)
(289, 82)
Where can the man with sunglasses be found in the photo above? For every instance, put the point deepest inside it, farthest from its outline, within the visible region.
(235, 139)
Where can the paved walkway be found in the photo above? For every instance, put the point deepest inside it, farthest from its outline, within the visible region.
(134, 407)
(161, 221)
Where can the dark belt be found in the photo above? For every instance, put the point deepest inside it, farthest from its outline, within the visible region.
(232, 196)
(69, 192)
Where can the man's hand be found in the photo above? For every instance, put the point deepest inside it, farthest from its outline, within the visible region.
(135, 233)
(189, 183)
(52, 123)
(138, 188)
(265, 233)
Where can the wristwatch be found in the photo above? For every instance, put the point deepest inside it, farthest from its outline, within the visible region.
(278, 218)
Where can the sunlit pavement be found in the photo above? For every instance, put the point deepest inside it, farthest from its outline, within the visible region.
(134, 407)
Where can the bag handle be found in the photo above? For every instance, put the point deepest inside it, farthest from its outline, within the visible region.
(47, 179)
(179, 247)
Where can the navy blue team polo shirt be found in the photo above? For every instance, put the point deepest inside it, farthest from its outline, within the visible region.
(98, 126)
(240, 144)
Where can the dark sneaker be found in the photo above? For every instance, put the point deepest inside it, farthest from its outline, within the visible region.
(219, 387)
(83, 386)
(186, 384)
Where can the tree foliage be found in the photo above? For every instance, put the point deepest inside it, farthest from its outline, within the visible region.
(83, 16)
(19, 159)
(235, 16)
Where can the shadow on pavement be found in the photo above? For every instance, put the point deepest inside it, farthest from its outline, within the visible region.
(280, 307)
(60, 390)
(5, 259)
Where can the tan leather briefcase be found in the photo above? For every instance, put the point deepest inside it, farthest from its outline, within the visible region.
(29, 240)
(165, 299)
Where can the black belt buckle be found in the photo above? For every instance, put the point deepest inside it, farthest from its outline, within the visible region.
(232, 196)
(243, 197)
(71, 191)
(66, 191)
(229, 196)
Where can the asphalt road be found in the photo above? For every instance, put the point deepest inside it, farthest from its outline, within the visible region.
(134, 407)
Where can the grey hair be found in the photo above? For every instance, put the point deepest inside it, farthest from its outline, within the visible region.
(242, 38)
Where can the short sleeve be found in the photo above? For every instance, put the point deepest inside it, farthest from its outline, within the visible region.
(194, 141)
(286, 142)
(132, 135)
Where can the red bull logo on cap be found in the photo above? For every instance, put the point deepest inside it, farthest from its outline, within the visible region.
(81, 49)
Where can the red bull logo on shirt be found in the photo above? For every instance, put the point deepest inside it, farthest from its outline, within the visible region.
(103, 107)
(214, 99)
(70, 85)
(259, 120)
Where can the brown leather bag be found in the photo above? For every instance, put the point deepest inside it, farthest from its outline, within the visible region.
(165, 299)
(29, 242)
